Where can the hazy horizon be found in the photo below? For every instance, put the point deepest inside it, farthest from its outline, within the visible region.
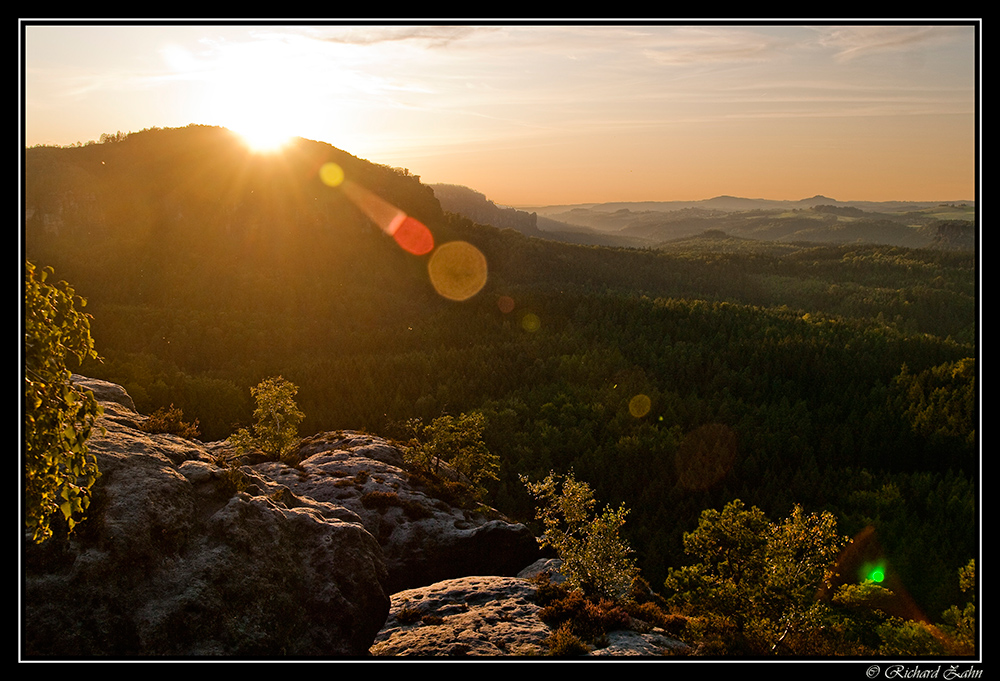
(538, 115)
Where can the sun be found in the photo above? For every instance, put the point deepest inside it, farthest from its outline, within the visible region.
(262, 139)
(264, 127)
(263, 114)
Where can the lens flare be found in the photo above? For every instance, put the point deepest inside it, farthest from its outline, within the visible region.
(411, 234)
(530, 322)
(457, 270)
(639, 406)
(874, 572)
(331, 174)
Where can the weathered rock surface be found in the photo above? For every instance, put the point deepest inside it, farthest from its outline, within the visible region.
(493, 616)
(468, 616)
(423, 539)
(173, 560)
(182, 557)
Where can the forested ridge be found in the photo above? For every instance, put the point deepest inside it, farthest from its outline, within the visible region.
(836, 376)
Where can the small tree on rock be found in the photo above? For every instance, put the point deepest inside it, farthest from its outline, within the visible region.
(595, 559)
(457, 442)
(276, 420)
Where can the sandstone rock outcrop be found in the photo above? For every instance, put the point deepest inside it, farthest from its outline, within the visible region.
(466, 617)
(175, 560)
(423, 538)
(495, 617)
(183, 557)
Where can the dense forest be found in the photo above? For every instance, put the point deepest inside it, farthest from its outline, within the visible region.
(838, 376)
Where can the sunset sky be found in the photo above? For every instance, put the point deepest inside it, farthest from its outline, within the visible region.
(548, 114)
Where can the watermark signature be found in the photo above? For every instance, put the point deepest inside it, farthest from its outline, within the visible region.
(952, 672)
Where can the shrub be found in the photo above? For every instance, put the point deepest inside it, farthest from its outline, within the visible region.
(760, 576)
(564, 643)
(961, 622)
(655, 615)
(588, 619)
(457, 442)
(170, 420)
(595, 559)
(58, 416)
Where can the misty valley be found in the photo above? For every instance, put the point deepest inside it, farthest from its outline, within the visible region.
(676, 357)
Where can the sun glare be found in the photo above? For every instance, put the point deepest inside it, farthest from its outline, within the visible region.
(264, 141)
(260, 134)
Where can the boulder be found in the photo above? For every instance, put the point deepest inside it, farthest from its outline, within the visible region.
(181, 557)
(466, 617)
(424, 539)
(496, 617)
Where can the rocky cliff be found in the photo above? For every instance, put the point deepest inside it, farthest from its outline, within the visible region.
(180, 556)
(343, 555)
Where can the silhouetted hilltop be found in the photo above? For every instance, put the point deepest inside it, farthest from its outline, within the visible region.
(136, 218)
(476, 207)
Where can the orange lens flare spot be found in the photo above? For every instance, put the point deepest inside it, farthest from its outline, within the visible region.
(639, 406)
(413, 236)
(506, 304)
(457, 270)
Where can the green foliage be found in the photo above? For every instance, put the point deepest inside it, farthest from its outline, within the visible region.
(940, 402)
(860, 619)
(760, 575)
(58, 416)
(276, 421)
(457, 442)
(595, 558)
(960, 623)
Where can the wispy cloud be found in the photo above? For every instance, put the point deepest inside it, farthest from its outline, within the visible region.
(855, 42)
(707, 45)
(429, 36)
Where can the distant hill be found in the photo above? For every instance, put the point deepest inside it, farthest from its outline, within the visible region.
(475, 206)
(816, 219)
(734, 203)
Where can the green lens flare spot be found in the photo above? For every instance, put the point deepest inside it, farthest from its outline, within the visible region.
(874, 572)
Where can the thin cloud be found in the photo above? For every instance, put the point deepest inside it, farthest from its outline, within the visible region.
(431, 36)
(855, 42)
(696, 45)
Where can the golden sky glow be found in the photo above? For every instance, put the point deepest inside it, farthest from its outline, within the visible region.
(536, 115)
